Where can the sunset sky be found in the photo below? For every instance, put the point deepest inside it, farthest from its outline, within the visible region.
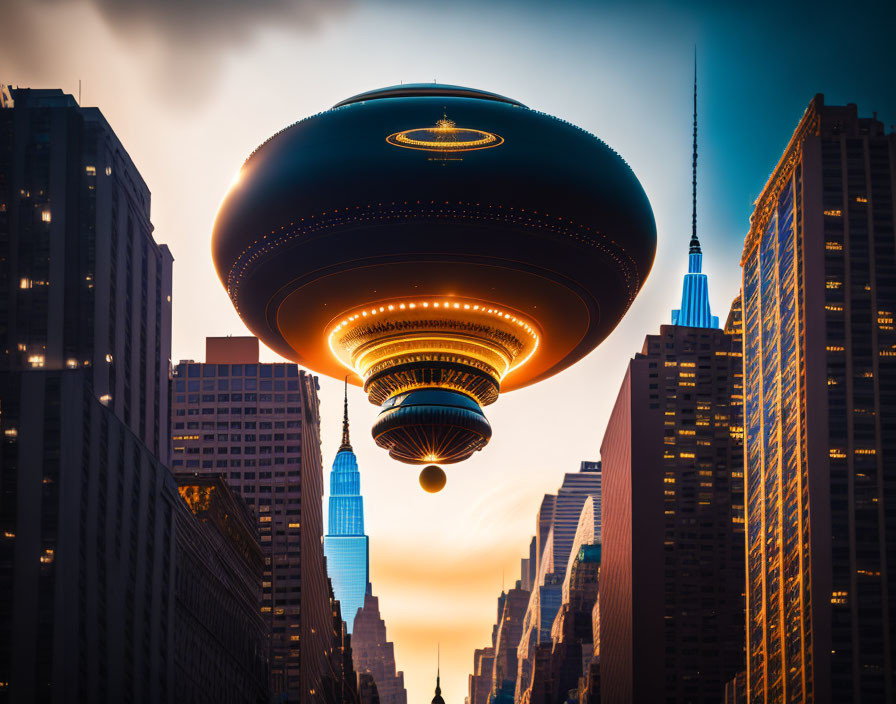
(191, 88)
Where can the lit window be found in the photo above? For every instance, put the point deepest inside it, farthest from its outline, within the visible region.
(105, 398)
(25, 283)
(861, 199)
(36, 360)
(71, 363)
(90, 170)
(108, 171)
(11, 433)
(833, 213)
(45, 216)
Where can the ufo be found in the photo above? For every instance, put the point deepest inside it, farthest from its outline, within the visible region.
(440, 244)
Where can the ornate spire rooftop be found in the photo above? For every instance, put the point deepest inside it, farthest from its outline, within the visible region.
(695, 311)
(438, 698)
(346, 443)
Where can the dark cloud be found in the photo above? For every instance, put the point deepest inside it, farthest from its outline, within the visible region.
(202, 20)
(192, 36)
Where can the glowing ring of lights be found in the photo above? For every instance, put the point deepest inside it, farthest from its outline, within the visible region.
(452, 312)
(445, 139)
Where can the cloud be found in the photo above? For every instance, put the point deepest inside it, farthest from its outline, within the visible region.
(180, 43)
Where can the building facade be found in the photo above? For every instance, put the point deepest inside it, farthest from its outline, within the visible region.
(346, 547)
(819, 298)
(556, 524)
(86, 502)
(672, 573)
(374, 655)
(480, 680)
(82, 282)
(221, 639)
(258, 425)
(87, 554)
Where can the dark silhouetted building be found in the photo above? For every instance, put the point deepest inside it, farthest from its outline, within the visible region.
(221, 639)
(374, 655)
(672, 573)
(337, 683)
(87, 553)
(258, 425)
(367, 691)
(82, 282)
(86, 502)
(819, 299)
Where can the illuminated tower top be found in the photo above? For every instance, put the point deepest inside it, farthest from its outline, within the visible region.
(695, 311)
(346, 515)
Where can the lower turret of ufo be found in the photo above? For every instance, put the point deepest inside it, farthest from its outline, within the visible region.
(441, 245)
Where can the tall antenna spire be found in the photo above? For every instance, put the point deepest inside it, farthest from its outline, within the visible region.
(346, 443)
(695, 243)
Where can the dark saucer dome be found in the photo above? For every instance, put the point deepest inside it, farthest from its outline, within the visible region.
(430, 424)
(535, 215)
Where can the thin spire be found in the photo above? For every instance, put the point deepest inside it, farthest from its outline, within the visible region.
(695, 243)
(346, 443)
(438, 667)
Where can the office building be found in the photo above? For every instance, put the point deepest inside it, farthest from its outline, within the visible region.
(258, 425)
(374, 655)
(559, 665)
(82, 282)
(86, 502)
(87, 553)
(221, 639)
(672, 572)
(345, 545)
(819, 301)
(556, 524)
(480, 681)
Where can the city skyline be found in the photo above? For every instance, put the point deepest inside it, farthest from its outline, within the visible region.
(507, 481)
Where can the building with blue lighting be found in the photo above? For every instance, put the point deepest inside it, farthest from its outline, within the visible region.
(694, 311)
(345, 544)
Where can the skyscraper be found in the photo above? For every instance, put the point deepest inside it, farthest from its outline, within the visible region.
(221, 639)
(87, 564)
(558, 518)
(86, 502)
(258, 425)
(83, 283)
(374, 653)
(819, 301)
(695, 311)
(672, 573)
(480, 680)
(345, 545)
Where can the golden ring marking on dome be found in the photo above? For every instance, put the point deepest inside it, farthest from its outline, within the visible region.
(446, 136)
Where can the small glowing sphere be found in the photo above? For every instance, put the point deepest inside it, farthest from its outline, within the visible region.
(432, 479)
